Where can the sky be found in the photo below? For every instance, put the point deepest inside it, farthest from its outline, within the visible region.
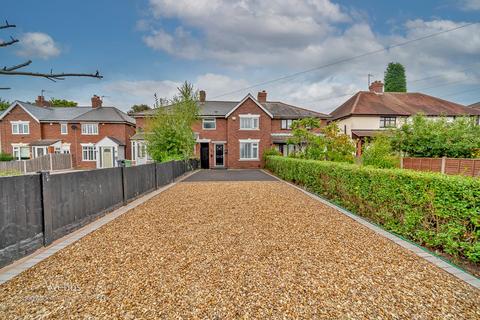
(147, 47)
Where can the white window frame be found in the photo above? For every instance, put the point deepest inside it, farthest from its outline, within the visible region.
(94, 150)
(17, 148)
(252, 118)
(286, 124)
(254, 144)
(62, 127)
(209, 120)
(23, 124)
(65, 148)
(88, 132)
(134, 148)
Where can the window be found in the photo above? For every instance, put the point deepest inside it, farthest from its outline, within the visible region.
(89, 153)
(20, 127)
(65, 148)
(134, 147)
(63, 128)
(21, 152)
(249, 149)
(142, 150)
(388, 122)
(209, 124)
(249, 122)
(90, 128)
(287, 124)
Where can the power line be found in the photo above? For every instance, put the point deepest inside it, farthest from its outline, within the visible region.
(293, 75)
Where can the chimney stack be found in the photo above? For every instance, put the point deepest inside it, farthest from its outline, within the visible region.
(376, 86)
(41, 102)
(203, 95)
(262, 96)
(96, 101)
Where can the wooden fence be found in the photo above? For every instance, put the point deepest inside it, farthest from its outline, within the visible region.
(454, 166)
(52, 161)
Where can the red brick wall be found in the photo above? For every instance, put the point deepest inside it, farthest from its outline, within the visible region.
(140, 122)
(219, 134)
(234, 134)
(6, 136)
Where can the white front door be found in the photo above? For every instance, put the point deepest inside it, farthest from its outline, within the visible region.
(107, 157)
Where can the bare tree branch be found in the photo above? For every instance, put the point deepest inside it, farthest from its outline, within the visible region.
(18, 66)
(5, 88)
(8, 43)
(7, 25)
(50, 76)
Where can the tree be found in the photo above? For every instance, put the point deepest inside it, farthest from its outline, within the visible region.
(139, 108)
(14, 70)
(4, 104)
(395, 79)
(379, 153)
(170, 135)
(424, 137)
(62, 103)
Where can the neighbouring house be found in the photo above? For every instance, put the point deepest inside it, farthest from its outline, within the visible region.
(369, 112)
(95, 136)
(234, 134)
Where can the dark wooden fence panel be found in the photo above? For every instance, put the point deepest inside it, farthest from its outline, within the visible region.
(139, 180)
(78, 197)
(467, 167)
(164, 173)
(21, 222)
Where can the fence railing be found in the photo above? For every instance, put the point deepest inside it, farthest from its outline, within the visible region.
(454, 166)
(51, 161)
(39, 208)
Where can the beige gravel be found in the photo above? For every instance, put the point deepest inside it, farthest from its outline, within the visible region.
(235, 250)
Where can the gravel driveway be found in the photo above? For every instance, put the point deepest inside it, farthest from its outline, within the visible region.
(235, 250)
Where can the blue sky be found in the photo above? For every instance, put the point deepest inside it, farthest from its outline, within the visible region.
(144, 47)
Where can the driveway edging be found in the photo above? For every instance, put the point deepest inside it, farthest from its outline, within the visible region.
(416, 249)
(10, 271)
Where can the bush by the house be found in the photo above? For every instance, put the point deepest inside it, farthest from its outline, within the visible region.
(270, 152)
(5, 157)
(441, 212)
(379, 153)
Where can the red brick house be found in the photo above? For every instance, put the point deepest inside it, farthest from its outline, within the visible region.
(234, 134)
(96, 136)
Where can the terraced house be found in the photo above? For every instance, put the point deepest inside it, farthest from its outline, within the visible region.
(234, 134)
(96, 136)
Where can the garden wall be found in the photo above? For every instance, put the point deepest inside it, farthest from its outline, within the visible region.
(37, 209)
(439, 211)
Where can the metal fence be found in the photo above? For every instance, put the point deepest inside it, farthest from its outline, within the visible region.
(454, 166)
(39, 208)
(52, 161)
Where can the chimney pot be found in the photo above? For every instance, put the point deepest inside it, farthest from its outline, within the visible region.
(262, 96)
(96, 101)
(376, 86)
(203, 95)
(41, 102)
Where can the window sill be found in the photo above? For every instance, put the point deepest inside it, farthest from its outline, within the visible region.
(20, 134)
(256, 159)
(89, 160)
(249, 129)
(89, 134)
(209, 129)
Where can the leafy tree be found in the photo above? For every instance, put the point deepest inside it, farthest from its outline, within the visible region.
(4, 104)
(317, 143)
(170, 134)
(139, 108)
(395, 79)
(379, 153)
(62, 103)
(424, 137)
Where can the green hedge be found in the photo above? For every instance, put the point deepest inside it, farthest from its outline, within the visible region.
(442, 212)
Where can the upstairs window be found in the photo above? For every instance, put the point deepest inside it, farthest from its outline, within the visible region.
(90, 128)
(209, 124)
(249, 122)
(20, 127)
(388, 122)
(63, 128)
(287, 124)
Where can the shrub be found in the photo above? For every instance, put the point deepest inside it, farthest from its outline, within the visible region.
(379, 153)
(270, 152)
(5, 157)
(439, 211)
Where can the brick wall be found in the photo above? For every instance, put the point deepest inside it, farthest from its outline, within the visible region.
(6, 136)
(219, 134)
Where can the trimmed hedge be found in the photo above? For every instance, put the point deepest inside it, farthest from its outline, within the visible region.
(439, 211)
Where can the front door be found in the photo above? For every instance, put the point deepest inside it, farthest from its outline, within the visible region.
(204, 156)
(107, 157)
(219, 155)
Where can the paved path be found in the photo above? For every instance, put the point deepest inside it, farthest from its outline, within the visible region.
(230, 175)
(238, 249)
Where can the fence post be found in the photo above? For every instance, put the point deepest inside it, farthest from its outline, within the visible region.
(24, 166)
(51, 161)
(155, 173)
(401, 162)
(444, 160)
(46, 208)
(124, 186)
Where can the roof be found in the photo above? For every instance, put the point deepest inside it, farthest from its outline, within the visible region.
(120, 143)
(279, 110)
(399, 104)
(74, 114)
(366, 133)
(138, 136)
(475, 105)
(44, 142)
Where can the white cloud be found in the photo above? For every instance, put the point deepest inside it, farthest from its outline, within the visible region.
(470, 4)
(38, 44)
